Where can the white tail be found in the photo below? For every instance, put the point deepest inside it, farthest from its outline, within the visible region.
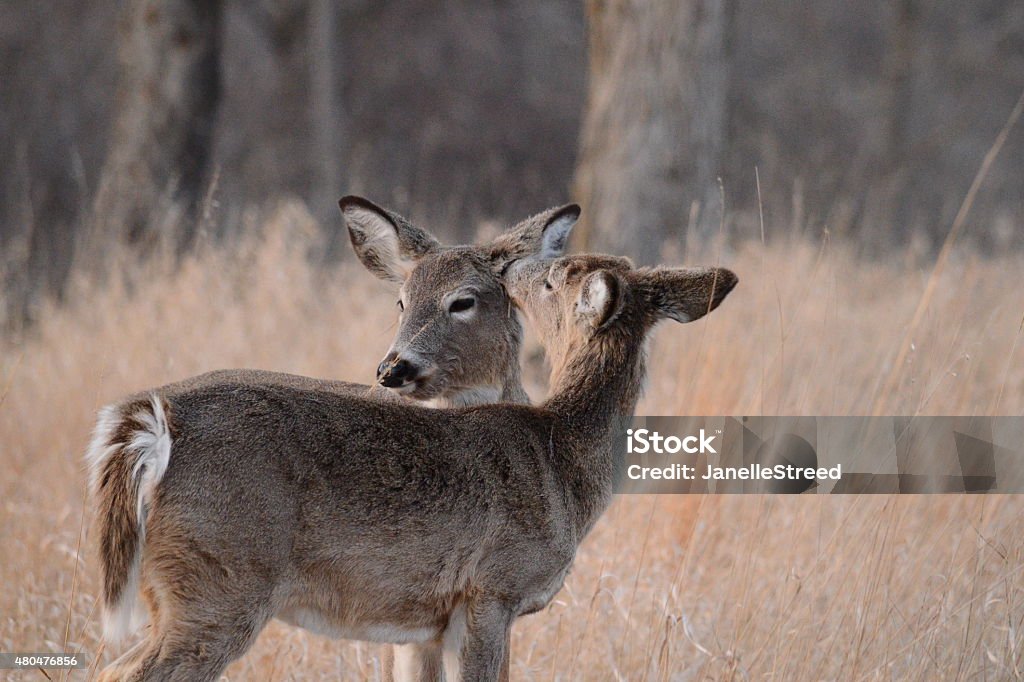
(125, 466)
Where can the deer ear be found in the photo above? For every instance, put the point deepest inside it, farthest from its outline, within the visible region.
(600, 299)
(688, 294)
(555, 232)
(544, 235)
(386, 243)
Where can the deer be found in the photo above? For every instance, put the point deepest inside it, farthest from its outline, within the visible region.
(458, 338)
(230, 503)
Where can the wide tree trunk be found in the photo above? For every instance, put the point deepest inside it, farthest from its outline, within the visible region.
(166, 105)
(654, 131)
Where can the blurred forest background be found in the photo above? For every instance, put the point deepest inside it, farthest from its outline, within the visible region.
(136, 123)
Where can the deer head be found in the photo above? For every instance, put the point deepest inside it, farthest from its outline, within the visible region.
(458, 337)
(576, 301)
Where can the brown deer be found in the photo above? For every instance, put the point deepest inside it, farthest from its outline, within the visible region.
(232, 502)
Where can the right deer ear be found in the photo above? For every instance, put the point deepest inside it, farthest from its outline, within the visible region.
(386, 243)
(688, 294)
(545, 235)
(555, 233)
(600, 299)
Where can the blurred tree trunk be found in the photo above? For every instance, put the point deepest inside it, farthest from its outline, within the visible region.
(326, 112)
(898, 72)
(654, 131)
(898, 68)
(164, 118)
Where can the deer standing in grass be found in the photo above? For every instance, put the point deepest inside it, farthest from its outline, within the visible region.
(231, 503)
(458, 339)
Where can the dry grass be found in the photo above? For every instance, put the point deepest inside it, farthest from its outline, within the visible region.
(812, 587)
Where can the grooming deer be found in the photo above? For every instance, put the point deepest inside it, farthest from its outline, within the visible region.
(230, 503)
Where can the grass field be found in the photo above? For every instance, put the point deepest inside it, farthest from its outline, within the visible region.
(771, 588)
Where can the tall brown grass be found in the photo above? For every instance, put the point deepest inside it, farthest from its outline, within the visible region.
(780, 588)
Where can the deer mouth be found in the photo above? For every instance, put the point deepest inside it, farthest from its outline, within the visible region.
(422, 387)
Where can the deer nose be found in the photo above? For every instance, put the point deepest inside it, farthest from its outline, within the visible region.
(394, 371)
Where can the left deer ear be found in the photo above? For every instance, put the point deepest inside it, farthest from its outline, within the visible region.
(600, 299)
(688, 294)
(544, 235)
(386, 243)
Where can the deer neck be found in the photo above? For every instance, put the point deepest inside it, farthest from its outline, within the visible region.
(596, 387)
(508, 388)
(512, 390)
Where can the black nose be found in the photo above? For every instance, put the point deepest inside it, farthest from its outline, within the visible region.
(393, 372)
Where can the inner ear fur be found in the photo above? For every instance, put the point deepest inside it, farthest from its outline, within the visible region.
(387, 244)
(600, 298)
(544, 235)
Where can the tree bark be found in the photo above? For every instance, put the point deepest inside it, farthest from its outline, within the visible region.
(654, 131)
(898, 163)
(326, 112)
(165, 113)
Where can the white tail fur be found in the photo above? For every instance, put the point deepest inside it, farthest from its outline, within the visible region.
(145, 453)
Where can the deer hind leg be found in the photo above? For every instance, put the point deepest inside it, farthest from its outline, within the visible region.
(198, 649)
(195, 641)
(484, 627)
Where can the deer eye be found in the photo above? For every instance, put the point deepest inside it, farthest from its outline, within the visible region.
(460, 305)
(401, 306)
(547, 285)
